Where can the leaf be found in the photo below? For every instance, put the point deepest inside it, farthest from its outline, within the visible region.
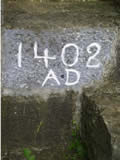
(74, 134)
(27, 153)
(32, 157)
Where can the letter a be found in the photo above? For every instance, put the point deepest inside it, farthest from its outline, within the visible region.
(51, 75)
(67, 83)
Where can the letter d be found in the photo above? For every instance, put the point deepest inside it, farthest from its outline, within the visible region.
(67, 83)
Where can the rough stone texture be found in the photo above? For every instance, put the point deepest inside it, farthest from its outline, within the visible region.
(54, 16)
(33, 71)
(107, 99)
(94, 131)
(41, 118)
(43, 126)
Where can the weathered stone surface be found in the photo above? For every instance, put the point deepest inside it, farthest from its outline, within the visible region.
(107, 99)
(40, 118)
(45, 16)
(41, 125)
(94, 131)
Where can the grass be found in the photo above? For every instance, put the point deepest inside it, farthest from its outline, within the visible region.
(76, 148)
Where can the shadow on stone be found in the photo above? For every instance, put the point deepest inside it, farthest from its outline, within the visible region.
(94, 131)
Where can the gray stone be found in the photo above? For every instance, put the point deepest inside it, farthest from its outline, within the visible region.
(33, 71)
(40, 118)
(44, 126)
(107, 99)
(94, 131)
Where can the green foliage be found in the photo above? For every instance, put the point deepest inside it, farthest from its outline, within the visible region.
(28, 154)
(76, 148)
